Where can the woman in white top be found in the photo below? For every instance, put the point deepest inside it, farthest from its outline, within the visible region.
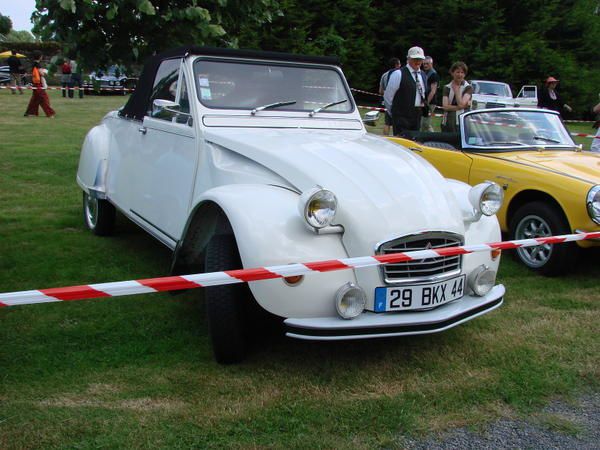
(456, 97)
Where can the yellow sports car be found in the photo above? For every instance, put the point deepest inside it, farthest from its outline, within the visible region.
(551, 186)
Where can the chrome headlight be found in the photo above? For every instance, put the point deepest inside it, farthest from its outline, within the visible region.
(486, 198)
(593, 203)
(318, 207)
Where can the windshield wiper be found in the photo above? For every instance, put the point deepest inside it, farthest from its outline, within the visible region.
(542, 138)
(328, 105)
(520, 144)
(272, 105)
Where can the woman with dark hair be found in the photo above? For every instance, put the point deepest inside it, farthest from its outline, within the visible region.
(456, 97)
(549, 97)
(38, 95)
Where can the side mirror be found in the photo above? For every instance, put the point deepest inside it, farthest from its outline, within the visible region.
(160, 105)
(371, 118)
(167, 110)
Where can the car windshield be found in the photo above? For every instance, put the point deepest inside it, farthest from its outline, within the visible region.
(500, 89)
(280, 87)
(510, 130)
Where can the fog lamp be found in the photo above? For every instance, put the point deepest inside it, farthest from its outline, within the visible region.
(482, 280)
(350, 301)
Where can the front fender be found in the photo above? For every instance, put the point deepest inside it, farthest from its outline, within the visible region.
(93, 161)
(270, 231)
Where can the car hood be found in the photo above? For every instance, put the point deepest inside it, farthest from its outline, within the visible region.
(582, 165)
(382, 189)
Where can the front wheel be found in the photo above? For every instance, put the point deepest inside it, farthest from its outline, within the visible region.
(538, 219)
(98, 215)
(225, 303)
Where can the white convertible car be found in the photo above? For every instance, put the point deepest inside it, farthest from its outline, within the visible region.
(236, 158)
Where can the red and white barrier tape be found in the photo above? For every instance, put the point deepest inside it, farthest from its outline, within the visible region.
(593, 136)
(173, 283)
(54, 88)
(365, 92)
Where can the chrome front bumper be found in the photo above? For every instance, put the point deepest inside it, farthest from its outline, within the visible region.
(372, 325)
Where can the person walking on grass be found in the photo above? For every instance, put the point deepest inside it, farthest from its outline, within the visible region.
(16, 72)
(39, 97)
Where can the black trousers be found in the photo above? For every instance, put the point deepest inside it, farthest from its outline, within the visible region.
(407, 120)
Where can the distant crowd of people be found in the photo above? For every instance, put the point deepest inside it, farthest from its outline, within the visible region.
(70, 78)
(410, 92)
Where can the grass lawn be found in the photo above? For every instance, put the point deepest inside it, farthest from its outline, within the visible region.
(137, 371)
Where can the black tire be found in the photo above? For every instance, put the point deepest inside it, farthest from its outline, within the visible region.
(98, 215)
(538, 219)
(225, 304)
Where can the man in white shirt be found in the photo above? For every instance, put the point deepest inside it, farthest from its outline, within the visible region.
(404, 94)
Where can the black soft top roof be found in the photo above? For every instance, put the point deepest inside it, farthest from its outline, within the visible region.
(136, 107)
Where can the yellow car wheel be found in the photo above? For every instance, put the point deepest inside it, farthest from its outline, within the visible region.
(538, 219)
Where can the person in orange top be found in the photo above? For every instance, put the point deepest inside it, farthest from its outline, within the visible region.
(39, 97)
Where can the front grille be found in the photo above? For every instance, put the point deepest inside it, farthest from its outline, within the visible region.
(424, 269)
(494, 105)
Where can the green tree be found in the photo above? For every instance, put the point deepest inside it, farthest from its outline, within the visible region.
(20, 36)
(5, 24)
(345, 28)
(103, 32)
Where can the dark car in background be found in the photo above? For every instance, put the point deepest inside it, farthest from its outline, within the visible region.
(4, 75)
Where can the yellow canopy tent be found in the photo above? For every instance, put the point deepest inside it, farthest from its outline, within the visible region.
(7, 53)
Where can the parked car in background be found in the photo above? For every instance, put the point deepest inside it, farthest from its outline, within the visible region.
(110, 81)
(527, 97)
(551, 186)
(491, 94)
(237, 158)
(4, 75)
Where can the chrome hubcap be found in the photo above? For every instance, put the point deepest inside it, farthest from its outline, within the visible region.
(529, 228)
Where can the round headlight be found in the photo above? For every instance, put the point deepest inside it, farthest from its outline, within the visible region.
(593, 203)
(318, 207)
(486, 197)
(350, 301)
(482, 280)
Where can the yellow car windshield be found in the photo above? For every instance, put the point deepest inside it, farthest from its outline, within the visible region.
(514, 129)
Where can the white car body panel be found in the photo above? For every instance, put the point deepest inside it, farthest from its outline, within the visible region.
(255, 166)
(527, 97)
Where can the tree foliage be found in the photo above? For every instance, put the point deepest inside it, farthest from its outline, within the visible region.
(20, 36)
(516, 42)
(103, 32)
(5, 24)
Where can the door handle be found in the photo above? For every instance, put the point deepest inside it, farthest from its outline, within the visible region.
(143, 130)
(415, 149)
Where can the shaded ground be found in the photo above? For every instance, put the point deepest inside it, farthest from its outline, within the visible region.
(560, 425)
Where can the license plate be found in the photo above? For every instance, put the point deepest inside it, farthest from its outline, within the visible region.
(418, 296)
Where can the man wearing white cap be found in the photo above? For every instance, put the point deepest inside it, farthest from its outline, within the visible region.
(404, 95)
